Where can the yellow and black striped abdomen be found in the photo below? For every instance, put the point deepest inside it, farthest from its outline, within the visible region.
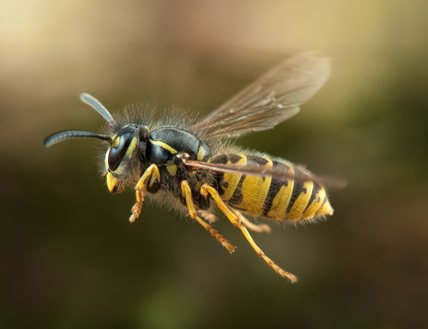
(268, 197)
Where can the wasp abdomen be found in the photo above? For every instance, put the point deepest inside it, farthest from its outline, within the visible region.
(265, 196)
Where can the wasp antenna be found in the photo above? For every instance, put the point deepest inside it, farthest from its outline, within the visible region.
(96, 105)
(70, 134)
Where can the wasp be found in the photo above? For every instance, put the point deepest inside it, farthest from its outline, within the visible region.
(187, 162)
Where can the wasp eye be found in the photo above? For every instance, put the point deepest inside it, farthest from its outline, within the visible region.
(118, 153)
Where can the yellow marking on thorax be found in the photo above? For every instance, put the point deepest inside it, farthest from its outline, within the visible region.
(301, 202)
(164, 145)
(131, 148)
(172, 169)
(282, 198)
(232, 180)
(315, 205)
(201, 153)
(254, 192)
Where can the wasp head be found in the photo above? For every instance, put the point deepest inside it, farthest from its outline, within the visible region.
(125, 156)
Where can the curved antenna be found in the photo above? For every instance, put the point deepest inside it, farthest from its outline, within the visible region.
(70, 134)
(96, 105)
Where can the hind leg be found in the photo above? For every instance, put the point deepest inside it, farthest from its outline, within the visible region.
(208, 216)
(187, 192)
(205, 190)
(250, 225)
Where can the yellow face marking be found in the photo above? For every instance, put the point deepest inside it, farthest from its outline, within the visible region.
(282, 198)
(254, 192)
(131, 148)
(315, 205)
(201, 153)
(112, 183)
(164, 146)
(232, 180)
(301, 202)
(119, 170)
(172, 169)
(116, 141)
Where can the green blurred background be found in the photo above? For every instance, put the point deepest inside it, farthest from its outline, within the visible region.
(70, 259)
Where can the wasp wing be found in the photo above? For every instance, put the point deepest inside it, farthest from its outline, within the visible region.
(299, 174)
(273, 98)
(277, 173)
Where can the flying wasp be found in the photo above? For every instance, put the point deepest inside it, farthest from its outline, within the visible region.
(188, 163)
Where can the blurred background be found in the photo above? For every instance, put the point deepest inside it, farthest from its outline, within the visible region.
(70, 259)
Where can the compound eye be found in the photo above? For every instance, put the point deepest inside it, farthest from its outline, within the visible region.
(118, 153)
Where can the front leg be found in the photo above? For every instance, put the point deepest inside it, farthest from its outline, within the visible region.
(149, 181)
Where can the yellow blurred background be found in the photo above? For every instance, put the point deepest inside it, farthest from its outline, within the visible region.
(70, 259)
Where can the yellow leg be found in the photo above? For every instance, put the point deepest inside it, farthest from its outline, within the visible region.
(251, 226)
(136, 209)
(208, 216)
(149, 177)
(205, 190)
(187, 192)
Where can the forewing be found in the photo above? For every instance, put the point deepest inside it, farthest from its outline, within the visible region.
(279, 173)
(271, 99)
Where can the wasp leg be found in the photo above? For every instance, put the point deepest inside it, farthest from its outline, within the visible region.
(251, 226)
(187, 192)
(205, 190)
(149, 180)
(208, 216)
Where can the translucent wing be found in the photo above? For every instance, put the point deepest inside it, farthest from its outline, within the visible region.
(271, 99)
(298, 174)
(277, 173)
